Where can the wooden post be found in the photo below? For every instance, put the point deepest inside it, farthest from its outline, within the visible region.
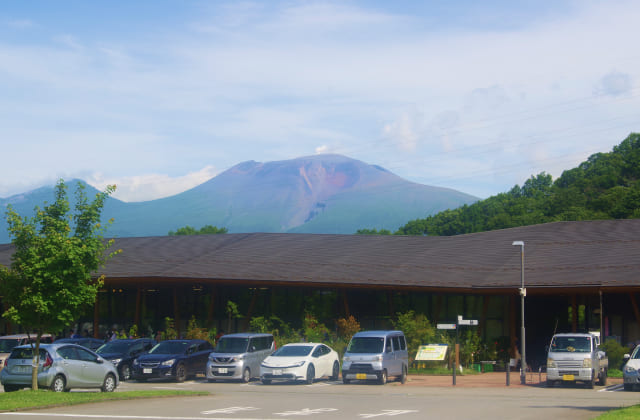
(176, 311)
(574, 313)
(345, 302)
(483, 318)
(136, 319)
(634, 305)
(96, 317)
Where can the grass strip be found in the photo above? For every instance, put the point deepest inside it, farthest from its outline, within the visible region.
(628, 413)
(29, 399)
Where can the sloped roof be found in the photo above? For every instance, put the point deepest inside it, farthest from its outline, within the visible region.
(591, 254)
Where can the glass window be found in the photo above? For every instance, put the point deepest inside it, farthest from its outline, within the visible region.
(396, 343)
(67, 353)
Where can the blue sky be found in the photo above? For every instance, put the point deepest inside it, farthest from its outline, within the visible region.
(159, 96)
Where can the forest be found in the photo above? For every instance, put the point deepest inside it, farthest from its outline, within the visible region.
(605, 186)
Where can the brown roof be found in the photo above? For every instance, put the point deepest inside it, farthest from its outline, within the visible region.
(590, 254)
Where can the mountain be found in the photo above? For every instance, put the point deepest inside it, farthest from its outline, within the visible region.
(316, 194)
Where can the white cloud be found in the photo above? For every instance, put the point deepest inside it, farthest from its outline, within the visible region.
(151, 186)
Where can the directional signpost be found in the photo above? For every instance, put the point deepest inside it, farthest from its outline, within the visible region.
(461, 321)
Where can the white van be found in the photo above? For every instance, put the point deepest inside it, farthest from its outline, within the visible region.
(376, 355)
(238, 356)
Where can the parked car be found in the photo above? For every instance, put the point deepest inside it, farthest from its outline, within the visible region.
(300, 361)
(9, 342)
(62, 367)
(89, 342)
(376, 355)
(238, 356)
(177, 359)
(122, 352)
(631, 370)
(576, 357)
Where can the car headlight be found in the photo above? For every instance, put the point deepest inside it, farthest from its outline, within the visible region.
(301, 363)
(169, 362)
(116, 361)
(551, 363)
(346, 359)
(629, 369)
(586, 363)
(266, 365)
(135, 362)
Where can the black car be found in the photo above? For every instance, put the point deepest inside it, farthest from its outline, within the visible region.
(122, 352)
(87, 342)
(173, 359)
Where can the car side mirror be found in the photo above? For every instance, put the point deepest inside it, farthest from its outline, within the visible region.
(100, 360)
(627, 356)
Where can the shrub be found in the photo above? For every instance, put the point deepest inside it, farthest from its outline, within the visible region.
(615, 352)
(417, 330)
(347, 327)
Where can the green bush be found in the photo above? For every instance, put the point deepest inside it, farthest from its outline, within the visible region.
(615, 352)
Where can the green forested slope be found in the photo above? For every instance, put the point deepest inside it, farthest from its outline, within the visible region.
(606, 186)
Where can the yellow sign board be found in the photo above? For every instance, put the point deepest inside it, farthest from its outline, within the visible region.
(432, 352)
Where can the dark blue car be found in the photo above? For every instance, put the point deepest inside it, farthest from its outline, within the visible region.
(122, 352)
(86, 342)
(173, 359)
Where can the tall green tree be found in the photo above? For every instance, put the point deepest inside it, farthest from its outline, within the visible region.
(51, 279)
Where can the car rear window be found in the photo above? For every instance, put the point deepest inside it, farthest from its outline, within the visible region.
(26, 353)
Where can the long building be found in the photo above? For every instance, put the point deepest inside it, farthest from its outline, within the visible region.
(577, 275)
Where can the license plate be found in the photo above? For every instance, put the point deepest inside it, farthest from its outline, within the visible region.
(22, 369)
(568, 378)
(147, 370)
(277, 372)
(361, 376)
(222, 370)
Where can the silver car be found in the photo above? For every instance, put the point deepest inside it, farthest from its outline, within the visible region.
(62, 367)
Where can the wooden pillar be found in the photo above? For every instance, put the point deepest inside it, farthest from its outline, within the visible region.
(483, 317)
(574, 313)
(436, 314)
(390, 303)
(512, 325)
(96, 316)
(212, 306)
(634, 306)
(136, 319)
(345, 302)
(252, 305)
(176, 311)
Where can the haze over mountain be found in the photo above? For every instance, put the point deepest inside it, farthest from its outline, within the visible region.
(315, 194)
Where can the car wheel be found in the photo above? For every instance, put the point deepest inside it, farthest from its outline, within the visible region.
(11, 388)
(590, 384)
(403, 376)
(311, 375)
(58, 384)
(266, 381)
(246, 375)
(181, 373)
(550, 383)
(336, 372)
(382, 377)
(125, 372)
(109, 384)
(602, 378)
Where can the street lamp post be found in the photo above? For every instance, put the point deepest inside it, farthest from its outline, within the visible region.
(523, 293)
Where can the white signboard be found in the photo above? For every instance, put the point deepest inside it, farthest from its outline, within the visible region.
(432, 352)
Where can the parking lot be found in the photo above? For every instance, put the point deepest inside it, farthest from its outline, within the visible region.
(421, 397)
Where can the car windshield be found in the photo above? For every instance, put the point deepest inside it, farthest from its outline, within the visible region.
(288, 351)
(571, 344)
(366, 345)
(114, 347)
(636, 353)
(7, 344)
(232, 345)
(170, 347)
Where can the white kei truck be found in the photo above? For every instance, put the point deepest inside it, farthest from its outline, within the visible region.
(576, 357)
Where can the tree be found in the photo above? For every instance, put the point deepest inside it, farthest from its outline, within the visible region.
(205, 230)
(52, 274)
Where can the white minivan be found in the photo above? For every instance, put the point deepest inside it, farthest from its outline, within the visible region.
(238, 356)
(376, 355)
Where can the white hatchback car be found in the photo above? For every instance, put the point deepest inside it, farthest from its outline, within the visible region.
(631, 370)
(300, 361)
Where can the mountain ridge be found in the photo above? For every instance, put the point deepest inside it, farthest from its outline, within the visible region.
(313, 194)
